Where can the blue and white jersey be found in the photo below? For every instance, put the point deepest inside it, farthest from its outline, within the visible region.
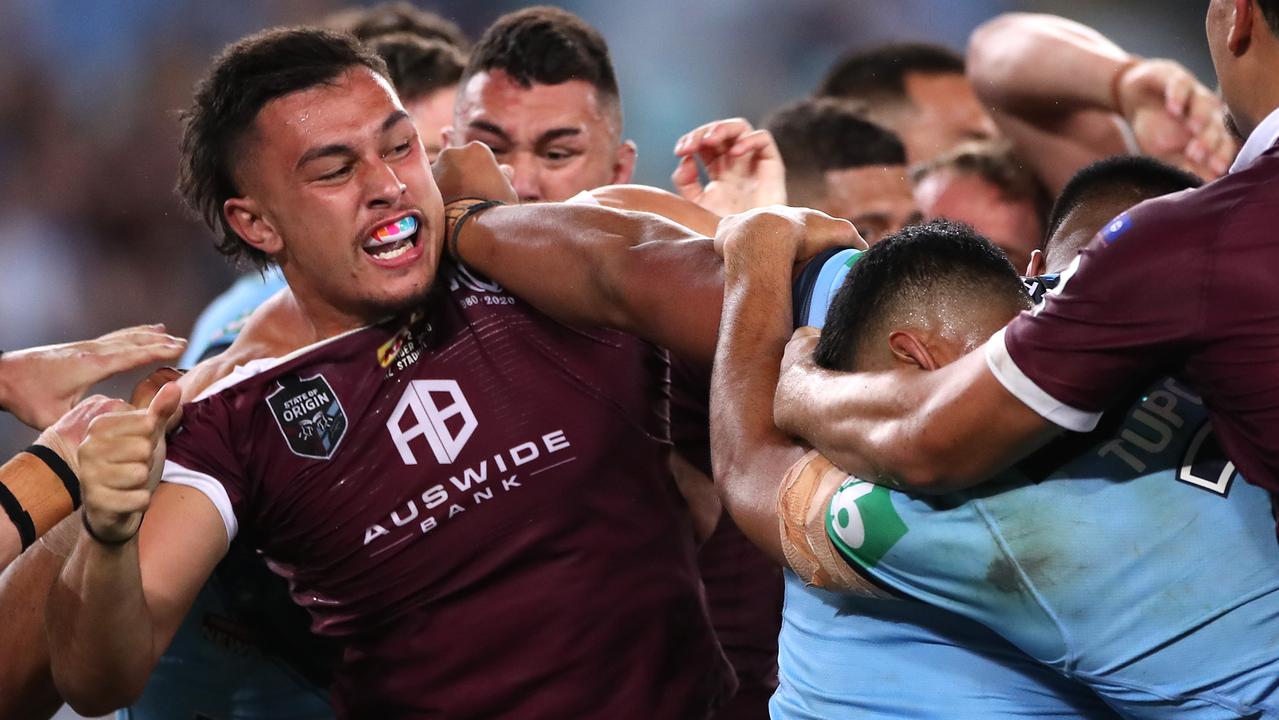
(851, 657)
(220, 323)
(1135, 561)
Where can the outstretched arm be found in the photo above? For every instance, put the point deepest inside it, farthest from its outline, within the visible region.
(39, 385)
(589, 265)
(1062, 92)
(930, 431)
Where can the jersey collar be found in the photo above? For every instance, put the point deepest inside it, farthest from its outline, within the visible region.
(1261, 140)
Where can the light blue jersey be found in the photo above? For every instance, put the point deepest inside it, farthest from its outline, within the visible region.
(220, 323)
(211, 671)
(1141, 565)
(849, 657)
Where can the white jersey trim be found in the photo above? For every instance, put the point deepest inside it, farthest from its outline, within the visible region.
(209, 487)
(1034, 397)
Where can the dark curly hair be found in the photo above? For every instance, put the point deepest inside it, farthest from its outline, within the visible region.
(245, 77)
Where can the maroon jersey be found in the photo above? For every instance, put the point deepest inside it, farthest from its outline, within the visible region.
(743, 586)
(478, 503)
(1183, 285)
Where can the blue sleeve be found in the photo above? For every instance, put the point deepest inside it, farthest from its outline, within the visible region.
(220, 323)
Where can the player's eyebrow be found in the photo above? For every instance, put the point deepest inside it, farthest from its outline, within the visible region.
(339, 149)
(551, 136)
(490, 128)
(323, 151)
(394, 119)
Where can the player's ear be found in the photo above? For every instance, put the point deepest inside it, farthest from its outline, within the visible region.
(246, 218)
(448, 137)
(910, 349)
(1240, 27)
(624, 163)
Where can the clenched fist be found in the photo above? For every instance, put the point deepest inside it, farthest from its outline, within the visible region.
(120, 464)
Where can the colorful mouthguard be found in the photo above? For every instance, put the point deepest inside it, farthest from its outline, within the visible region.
(397, 230)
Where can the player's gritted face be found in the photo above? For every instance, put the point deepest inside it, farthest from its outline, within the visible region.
(876, 199)
(943, 112)
(560, 139)
(342, 196)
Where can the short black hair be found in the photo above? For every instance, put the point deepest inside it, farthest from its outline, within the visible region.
(820, 134)
(245, 77)
(1139, 177)
(1270, 11)
(900, 271)
(879, 74)
(418, 67)
(395, 18)
(545, 45)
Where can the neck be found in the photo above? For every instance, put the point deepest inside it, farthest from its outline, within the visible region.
(318, 320)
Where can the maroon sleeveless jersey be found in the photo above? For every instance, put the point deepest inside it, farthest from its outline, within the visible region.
(477, 501)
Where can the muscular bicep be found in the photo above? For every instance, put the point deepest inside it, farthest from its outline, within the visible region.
(182, 539)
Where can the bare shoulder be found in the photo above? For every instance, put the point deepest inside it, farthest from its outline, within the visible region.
(642, 198)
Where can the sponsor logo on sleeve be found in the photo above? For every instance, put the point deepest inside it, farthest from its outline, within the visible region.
(309, 415)
(863, 522)
(1116, 228)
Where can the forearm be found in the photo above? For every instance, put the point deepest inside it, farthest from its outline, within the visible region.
(749, 453)
(1029, 65)
(594, 266)
(101, 636)
(34, 498)
(928, 431)
(27, 691)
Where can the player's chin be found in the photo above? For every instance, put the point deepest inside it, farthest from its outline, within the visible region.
(401, 295)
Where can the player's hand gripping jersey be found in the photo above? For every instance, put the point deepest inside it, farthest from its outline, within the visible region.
(1133, 559)
(844, 656)
(477, 501)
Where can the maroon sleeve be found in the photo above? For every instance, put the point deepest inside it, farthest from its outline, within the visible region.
(1125, 312)
(200, 455)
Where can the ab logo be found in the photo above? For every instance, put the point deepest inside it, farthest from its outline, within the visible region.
(431, 404)
(863, 523)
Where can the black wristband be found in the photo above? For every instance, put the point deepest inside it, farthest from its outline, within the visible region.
(61, 469)
(18, 515)
(84, 517)
(467, 214)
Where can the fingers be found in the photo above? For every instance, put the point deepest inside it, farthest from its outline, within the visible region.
(758, 141)
(714, 137)
(126, 354)
(164, 407)
(686, 179)
(144, 391)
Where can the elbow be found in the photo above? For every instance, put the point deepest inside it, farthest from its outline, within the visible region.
(924, 463)
(98, 701)
(995, 52)
(96, 691)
